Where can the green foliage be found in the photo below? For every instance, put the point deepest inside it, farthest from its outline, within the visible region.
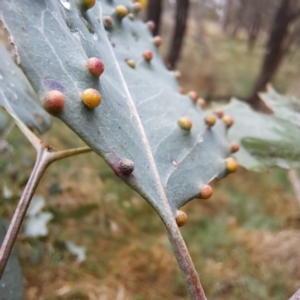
(265, 140)
(137, 118)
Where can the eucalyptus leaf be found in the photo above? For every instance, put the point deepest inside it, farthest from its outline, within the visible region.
(284, 107)
(137, 119)
(17, 95)
(11, 283)
(265, 140)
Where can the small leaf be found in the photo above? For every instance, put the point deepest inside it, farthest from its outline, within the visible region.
(36, 206)
(79, 251)
(36, 225)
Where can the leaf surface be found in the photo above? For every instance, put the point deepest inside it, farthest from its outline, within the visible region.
(137, 119)
(17, 95)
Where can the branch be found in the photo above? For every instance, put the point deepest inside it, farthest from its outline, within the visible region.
(45, 156)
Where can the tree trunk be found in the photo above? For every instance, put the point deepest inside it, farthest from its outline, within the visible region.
(275, 50)
(154, 14)
(182, 8)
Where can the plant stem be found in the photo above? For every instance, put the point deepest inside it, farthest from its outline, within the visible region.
(43, 160)
(185, 262)
(17, 220)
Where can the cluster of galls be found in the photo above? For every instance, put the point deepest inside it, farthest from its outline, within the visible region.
(54, 101)
(121, 12)
(231, 164)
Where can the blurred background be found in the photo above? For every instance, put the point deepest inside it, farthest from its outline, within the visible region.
(90, 237)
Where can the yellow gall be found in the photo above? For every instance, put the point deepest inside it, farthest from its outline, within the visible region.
(185, 123)
(210, 120)
(201, 102)
(121, 11)
(131, 16)
(234, 146)
(228, 120)
(87, 4)
(231, 165)
(91, 98)
(181, 218)
(206, 192)
(131, 63)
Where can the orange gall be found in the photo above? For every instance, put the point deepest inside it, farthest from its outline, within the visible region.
(185, 123)
(231, 165)
(210, 120)
(206, 192)
(181, 218)
(95, 66)
(54, 102)
(228, 120)
(91, 98)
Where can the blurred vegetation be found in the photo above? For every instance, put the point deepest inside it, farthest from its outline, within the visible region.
(244, 241)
